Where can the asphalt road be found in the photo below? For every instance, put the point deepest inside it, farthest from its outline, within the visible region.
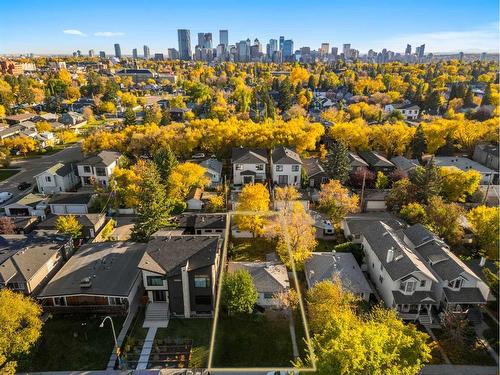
(31, 167)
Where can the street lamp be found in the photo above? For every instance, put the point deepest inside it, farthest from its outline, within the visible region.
(117, 349)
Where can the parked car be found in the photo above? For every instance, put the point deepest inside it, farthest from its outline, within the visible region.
(23, 185)
(5, 196)
(199, 155)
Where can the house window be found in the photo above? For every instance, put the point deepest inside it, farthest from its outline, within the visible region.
(48, 178)
(381, 267)
(295, 168)
(218, 231)
(59, 301)
(203, 300)
(455, 284)
(324, 180)
(100, 172)
(86, 168)
(381, 279)
(116, 301)
(154, 280)
(239, 167)
(268, 295)
(259, 167)
(408, 287)
(422, 283)
(201, 281)
(17, 286)
(279, 168)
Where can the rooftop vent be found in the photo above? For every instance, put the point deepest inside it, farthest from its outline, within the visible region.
(86, 282)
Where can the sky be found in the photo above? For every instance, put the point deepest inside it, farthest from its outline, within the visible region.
(61, 27)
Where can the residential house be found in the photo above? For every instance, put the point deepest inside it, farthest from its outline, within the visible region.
(286, 166)
(213, 170)
(465, 164)
(98, 168)
(316, 174)
(180, 275)
(29, 205)
(58, 178)
(91, 223)
(27, 262)
(178, 114)
(414, 271)
(72, 119)
(100, 277)
(11, 131)
(269, 279)
(487, 155)
(335, 266)
(202, 224)
(377, 162)
(404, 164)
(356, 163)
(17, 119)
(249, 165)
(374, 200)
(408, 110)
(71, 203)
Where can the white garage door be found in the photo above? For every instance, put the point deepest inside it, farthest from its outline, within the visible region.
(76, 209)
(375, 206)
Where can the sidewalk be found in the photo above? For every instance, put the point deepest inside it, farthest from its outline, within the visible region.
(122, 334)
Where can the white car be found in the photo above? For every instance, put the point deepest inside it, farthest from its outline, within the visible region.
(200, 155)
(5, 196)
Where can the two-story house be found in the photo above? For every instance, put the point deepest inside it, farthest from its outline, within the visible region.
(98, 168)
(27, 262)
(286, 166)
(408, 110)
(58, 178)
(249, 165)
(180, 275)
(377, 162)
(213, 170)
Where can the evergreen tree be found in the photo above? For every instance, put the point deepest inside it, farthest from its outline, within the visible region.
(154, 208)
(165, 117)
(129, 117)
(469, 98)
(487, 99)
(165, 160)
(149, 116)
(338, 166)
(432, 101)
(427, 182)
(285, 95)
(418, 143)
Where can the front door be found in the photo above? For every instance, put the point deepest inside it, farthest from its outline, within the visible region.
(283, 179)
(248, 179)
(159, 296)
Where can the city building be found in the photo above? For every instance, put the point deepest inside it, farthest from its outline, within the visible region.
(118, 51)
(347, 51)
(288, 50)
(102, 54)
(134, 53)
(91, 53)
(224, 38)
(184, 39)
(147, 53)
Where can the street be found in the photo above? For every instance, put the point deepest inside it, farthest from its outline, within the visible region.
(32, 167)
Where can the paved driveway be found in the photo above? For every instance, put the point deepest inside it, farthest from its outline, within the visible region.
(31, 167)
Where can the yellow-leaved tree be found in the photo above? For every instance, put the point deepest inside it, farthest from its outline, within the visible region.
(336, 201)
(483, 222)
(254, 201)
(184, 177)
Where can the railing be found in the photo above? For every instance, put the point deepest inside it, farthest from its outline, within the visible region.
(121, 309)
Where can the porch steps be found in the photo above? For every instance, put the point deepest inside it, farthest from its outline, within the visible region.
(425, 319)
(156, 312)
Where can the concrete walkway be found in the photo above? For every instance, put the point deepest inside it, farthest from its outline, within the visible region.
(479, 328)
(458, 370)
(146, 349)
(122, 334)
(443, 354)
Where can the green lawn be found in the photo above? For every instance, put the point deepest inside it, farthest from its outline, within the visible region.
(198, 330)
(252, 341)
(6, 173)
(250, 249)
(72, 343)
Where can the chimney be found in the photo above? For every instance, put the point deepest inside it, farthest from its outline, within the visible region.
(482, 262)
(390, 255)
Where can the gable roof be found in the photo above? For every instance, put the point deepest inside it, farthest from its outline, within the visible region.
(374, 159)
(312, 167)
(244, 155)
(212, 164)
(111, 267)
(202, 221)
(86, 220)
(72, 198)
(268, 277)
(284, 155)
(356, 161)
(102, 158)
(167, 255)
(404, 164)
(59, 169)
(328, 265)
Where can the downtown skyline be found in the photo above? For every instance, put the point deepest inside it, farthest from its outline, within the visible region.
(443, 27)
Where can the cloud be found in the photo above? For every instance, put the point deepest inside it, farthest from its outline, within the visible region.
(481, 39)
(74, 32)
(108, 33)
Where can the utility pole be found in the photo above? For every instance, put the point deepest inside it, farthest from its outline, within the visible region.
(488, 189)
(362, 191)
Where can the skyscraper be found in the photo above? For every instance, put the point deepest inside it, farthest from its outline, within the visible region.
(224, 38)
(134, 53)
(147, 53)
(408, 49)
(347, 51)
(243, 50)
(325, 47)
(421, 51)
(184, 38)
(335, 51)
(91, 53)
(118, 51)
(102, 54)
(207, 40)
(287, 49)
(201, 36)
(282, 40)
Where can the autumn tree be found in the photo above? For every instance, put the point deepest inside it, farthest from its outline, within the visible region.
(414, 213)
(336, 201)
(129, 116)
(254, 200)
(21, 328)
(286, 194)
(295, 234)
(68, 224)
(426, 181)
(381, 181)
(184, 177)
(444, 219)
(418, 143)
(456, 184)
(153, 208)
(338, 165)
(7, 225)
(483, 222)
(238, 294)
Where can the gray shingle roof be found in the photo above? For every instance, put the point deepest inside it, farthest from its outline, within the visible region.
(414, 298)
(284, 155)
(72, 198)
(169, 254)
(243, 155)
(202, 221)
(103, 158)
(404, 164)
(356, 161)
(212, 164)
(464, 295)
(312, 167)
(268, 277)
(374, 159)
(111, 266)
